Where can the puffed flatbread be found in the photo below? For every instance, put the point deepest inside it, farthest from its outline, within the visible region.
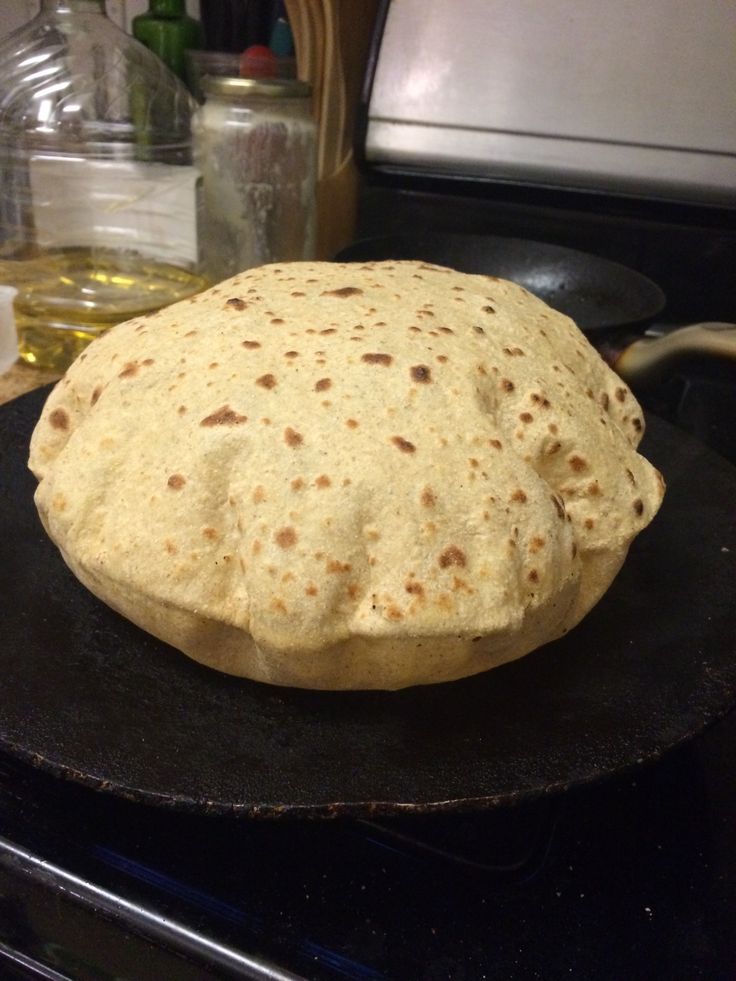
(346, 476)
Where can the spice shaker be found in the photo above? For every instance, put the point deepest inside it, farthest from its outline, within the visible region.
(255, 146)
(98, 194)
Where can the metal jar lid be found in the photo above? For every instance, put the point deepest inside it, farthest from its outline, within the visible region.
(247, 88)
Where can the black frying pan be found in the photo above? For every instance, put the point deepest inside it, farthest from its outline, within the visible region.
(596, 293)
(86, 695)
(610, 302)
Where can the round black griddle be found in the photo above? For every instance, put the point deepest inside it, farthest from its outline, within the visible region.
(91, 698)
(598, 294)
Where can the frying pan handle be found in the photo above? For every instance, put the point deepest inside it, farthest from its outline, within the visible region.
(649, 360)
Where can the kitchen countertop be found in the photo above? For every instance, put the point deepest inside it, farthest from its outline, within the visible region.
(21, 378)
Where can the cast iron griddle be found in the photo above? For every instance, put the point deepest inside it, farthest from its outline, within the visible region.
(90, 697)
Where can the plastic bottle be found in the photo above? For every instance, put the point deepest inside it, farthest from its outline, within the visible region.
(98, 195)
(168, 31)
(8, 333)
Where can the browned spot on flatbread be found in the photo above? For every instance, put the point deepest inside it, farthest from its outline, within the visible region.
(267, 381)
(414, 587)
(352, 423)
(428, 498)
(236, 303)
(129, 370)
(323, 481)
(224, 416)
(59, 419)
(384, 359)
(323, 384)
(526, 417)
(286, 537)
(519, 496)
(403, 444)
(335, 566)
(507, 385)
(577, 463)
(259, 494)
(343, 291)
(638, 506)
(421, 373)
(176, 481)
(251, 344)
(210, 533)
(452, 555)
(95, 395)
(292, 437)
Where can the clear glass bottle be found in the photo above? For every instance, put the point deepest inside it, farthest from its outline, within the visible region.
(254, 143)
(98, 194)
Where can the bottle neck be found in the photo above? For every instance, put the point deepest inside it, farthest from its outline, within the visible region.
(73, 7)
(167, 8)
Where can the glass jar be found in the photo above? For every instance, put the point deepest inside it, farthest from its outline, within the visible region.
(255, 146)
(98, 195)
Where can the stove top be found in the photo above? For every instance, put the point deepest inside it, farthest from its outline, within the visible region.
(633, 878)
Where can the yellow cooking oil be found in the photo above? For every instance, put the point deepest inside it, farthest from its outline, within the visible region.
(67, 297)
